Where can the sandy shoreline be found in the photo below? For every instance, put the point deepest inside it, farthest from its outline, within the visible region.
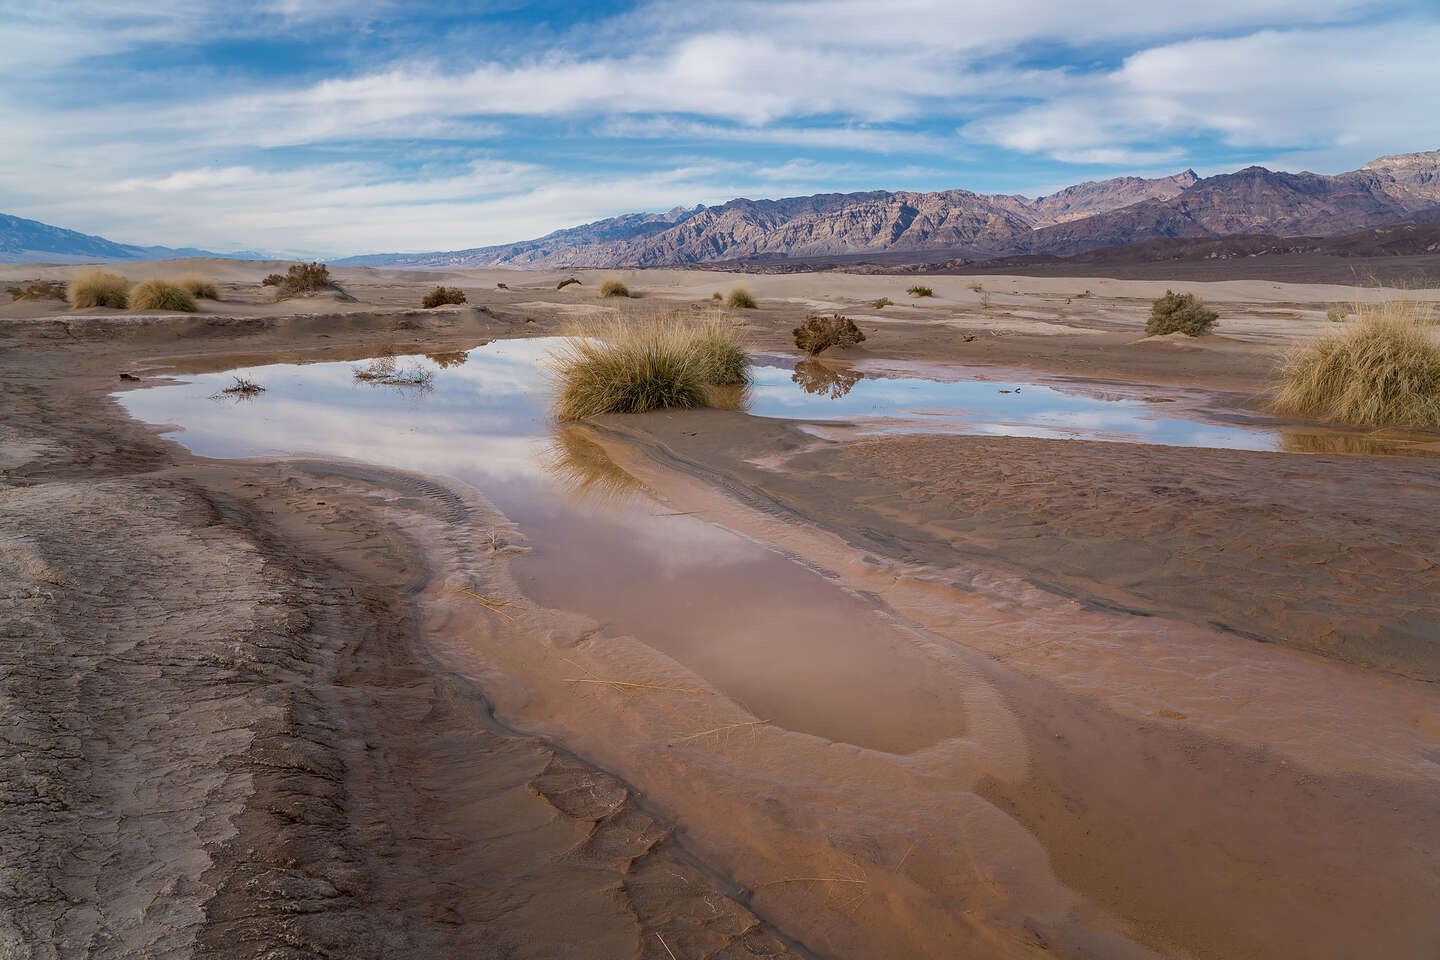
(344, 786)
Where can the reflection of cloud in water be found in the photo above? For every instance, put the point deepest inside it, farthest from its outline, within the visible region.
(815, 377)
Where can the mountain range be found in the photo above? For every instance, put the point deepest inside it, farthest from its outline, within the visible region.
(938, 226)
(30, 241)
(962, 224)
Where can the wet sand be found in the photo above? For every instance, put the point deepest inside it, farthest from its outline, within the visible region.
(1015, 704)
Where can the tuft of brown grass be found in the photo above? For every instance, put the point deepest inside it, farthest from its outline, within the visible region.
(565, 283)
(302, 279)
(614, 288)
(818, 333)
(740, 299)
(161, 295)
(202, 288)
(633, 365)
(882, 303)
(977, 286)
(442, 296)
(1338, 313)
(39, 290)
(99, 288)
(1179, 313)
(920, 291)
(1381, 371)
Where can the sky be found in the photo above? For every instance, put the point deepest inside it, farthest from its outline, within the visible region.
(364, 126)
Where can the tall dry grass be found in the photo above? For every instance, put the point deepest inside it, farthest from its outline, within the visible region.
(161, 295)
(98, 288)
(1382, 370)
(637, 364)
(202, 288)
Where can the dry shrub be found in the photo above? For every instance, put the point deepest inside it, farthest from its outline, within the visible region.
(882, 303)
(1179, 313)
(920, 291)
(442, 296)
(717, 296)
(502, 286)
(614, 288)
(39, 290)
(740, 299)
(1338, 313)
(817, 334)
(161, 295)
(565, 283)
(1383, 370)
(202, 288)
(99, 288)
(977, 286)
(637, 364)
(302, 279)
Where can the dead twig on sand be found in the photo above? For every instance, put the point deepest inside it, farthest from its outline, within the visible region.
(624, 685)
(728, 726)
(666, 946)
(495, 605)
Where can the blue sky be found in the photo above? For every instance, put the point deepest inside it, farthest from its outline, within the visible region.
(356, 126)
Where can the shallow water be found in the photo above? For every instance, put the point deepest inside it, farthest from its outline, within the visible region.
(794, 648)
(903, 397)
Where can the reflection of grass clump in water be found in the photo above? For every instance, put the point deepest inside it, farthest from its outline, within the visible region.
(815, 377)
(383, 371)
(452, 358)
(1179, 313)
(821, 333)
(1382, 370)
(583, 468)
(443, 296)
(740, 299)
(635, 365)
(614, 288)
(99, 288)
(161, 295)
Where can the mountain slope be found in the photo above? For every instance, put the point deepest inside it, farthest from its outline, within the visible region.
(30, 241)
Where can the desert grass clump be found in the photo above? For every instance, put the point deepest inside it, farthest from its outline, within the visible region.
(1179, 313)
(99, 288)
(920, 291)
(39, 290)
(300, 280)
(882, 303)
(717, 296)
(1381, 371)
(740, 299)
(441, 296)
(565, 283)
(201, 288)
(161, 295)
(634, 365)
(818, 333)
(614, 288)
(1338, 313)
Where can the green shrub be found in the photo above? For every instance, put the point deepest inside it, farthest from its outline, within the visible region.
(635, 365)
(614, 288)
(161, 295)
(919, 291)
(1180, 313)
(197, 286)
(441, 296)
(1383, 370)
(818, 333)
(99, 288)
(740, 299)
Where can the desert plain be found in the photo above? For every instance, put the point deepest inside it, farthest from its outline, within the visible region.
(400, 674)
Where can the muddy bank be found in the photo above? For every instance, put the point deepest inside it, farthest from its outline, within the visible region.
(225, 738)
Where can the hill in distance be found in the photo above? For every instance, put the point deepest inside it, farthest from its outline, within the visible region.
(963, 224)
(30, 241)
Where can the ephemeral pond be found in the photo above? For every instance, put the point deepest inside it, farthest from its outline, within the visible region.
(878, 751)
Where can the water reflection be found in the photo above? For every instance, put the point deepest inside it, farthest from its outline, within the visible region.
(385, 371)
(445, 361)
(1355, 443)
(582, 469)
(815, 377)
